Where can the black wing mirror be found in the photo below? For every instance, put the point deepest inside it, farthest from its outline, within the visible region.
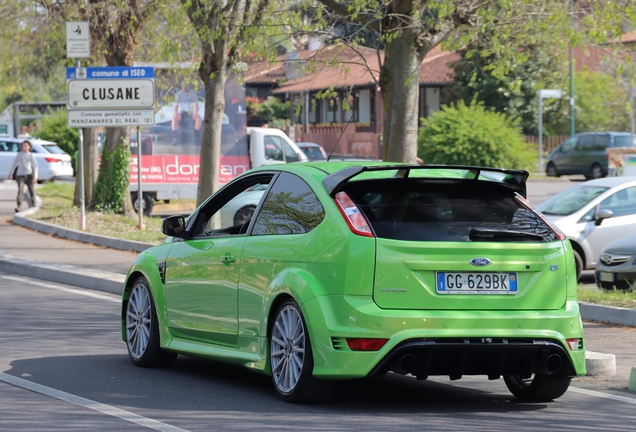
(173, 226)
(603, 214)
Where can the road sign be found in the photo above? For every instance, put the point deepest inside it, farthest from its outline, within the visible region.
(110, 72)
(544, 94)
(78, 41)
(113, 93)
(111, 118)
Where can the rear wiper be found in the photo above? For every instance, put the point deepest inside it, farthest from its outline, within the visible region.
(480, 234)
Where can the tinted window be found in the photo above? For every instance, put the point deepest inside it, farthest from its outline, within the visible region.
(429, 211)
(624, 141)
(291, 207)
(290, 153)
(273, 148)
(52, 148)
(568, 144)
(585, 142)
(7, 146)
(601, 142)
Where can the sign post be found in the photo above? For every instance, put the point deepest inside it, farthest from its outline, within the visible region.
(113, 97)
(544, 94)
(78, 45)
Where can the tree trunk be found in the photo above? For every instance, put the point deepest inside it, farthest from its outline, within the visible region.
(210, 155)
(91, 154)
(399, 80)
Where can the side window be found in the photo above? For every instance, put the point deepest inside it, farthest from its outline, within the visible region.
(290, 154)
(624, 141)
(601, 142)
(291, 207)
(273, 148)
(568, 144)
(585, 142)
(622, 203)
(231, 210)
(4, 146)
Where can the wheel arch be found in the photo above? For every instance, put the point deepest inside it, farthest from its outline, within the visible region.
(579, 249)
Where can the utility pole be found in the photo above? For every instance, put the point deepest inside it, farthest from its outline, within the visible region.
(572, 131)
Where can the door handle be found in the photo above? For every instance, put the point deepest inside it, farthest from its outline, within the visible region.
(228, 258)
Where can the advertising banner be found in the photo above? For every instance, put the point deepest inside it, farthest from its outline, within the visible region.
(183, 169)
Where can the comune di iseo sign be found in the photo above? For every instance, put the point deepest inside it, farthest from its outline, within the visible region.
(111, 118)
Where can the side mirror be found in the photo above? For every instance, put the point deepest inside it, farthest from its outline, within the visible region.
(173, 226)
(603, 214)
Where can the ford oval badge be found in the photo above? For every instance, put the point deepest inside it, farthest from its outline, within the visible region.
(480, 262)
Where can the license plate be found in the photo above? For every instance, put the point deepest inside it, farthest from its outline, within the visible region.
(606, 277)
(476, 283)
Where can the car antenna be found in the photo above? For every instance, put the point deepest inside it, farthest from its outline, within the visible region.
(341, 134)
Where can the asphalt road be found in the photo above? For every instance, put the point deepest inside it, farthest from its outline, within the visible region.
(66, 368)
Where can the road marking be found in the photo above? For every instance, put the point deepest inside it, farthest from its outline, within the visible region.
(90, 404)
(60, 288)
(603, 395)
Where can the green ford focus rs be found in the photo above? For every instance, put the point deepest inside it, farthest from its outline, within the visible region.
(350, 269)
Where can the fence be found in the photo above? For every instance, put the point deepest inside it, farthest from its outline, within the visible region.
(549, 142)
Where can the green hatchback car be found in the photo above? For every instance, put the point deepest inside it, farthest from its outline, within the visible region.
(351, 269)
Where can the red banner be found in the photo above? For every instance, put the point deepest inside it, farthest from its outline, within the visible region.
(183, 168)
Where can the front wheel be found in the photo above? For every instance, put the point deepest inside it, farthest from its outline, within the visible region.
(551, 170)
(578, 264)
(538, 388)
(291, 358)
(596, 171)
(142, 329)
(147, 202)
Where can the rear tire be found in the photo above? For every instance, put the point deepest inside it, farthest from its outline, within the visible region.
(551, 170)
(539, 388)
(148, 202)
(291, 358)
(142, 329)
(596, 171)
(578, 263)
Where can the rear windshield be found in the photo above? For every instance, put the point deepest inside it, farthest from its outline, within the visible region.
(52, 148)
(446, 210)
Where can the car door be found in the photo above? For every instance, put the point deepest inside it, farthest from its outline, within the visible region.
(8, 151)
(582, 157)
(621, 224)
(202, 271)
(562, 157)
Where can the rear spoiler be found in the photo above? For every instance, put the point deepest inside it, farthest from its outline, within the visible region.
(514, 179)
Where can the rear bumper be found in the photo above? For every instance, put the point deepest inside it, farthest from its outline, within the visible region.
(442, 342)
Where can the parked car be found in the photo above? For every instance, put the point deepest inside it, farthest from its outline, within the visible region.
(53, 162)
(352, 269)
(592, 215)
(312, 150)
(617, 267)
(585, 154)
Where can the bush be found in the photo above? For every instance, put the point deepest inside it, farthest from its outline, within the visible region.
(54, 127)
(472, 135)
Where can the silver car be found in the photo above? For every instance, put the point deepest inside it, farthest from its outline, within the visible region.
(617, 267)
(594, 214)
(53, 162)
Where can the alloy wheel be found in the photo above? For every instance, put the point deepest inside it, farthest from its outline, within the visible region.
(138, 320)
(287, 348)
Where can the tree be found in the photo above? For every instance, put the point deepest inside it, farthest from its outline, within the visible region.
(224, 29)
(410, 29)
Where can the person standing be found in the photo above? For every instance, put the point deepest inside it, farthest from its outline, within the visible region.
(27, 172)
(186, 118)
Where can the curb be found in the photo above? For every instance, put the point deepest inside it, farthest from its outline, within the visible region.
(609, 314)
(65, 274)
(80, 236)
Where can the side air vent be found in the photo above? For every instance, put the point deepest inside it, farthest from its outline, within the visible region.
(339, 344)
(162, 271)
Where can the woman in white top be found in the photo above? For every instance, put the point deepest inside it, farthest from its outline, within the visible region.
(27, 171)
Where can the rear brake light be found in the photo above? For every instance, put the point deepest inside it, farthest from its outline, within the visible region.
(352, 214)
(365, 344)
(555, 229)
(50, 159)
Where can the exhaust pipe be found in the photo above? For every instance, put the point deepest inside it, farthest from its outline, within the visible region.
(406, 364)
(548, 365)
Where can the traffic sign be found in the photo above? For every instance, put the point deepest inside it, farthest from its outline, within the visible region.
(110, 72)
(78, 40)
(111, 118)
(111, 93)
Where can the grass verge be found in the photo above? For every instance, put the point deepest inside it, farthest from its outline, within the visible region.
(615, 298)
(57, 209)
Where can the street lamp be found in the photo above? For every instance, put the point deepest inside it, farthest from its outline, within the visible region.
(544, 94)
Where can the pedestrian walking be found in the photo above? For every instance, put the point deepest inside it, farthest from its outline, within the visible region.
(26, 167)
